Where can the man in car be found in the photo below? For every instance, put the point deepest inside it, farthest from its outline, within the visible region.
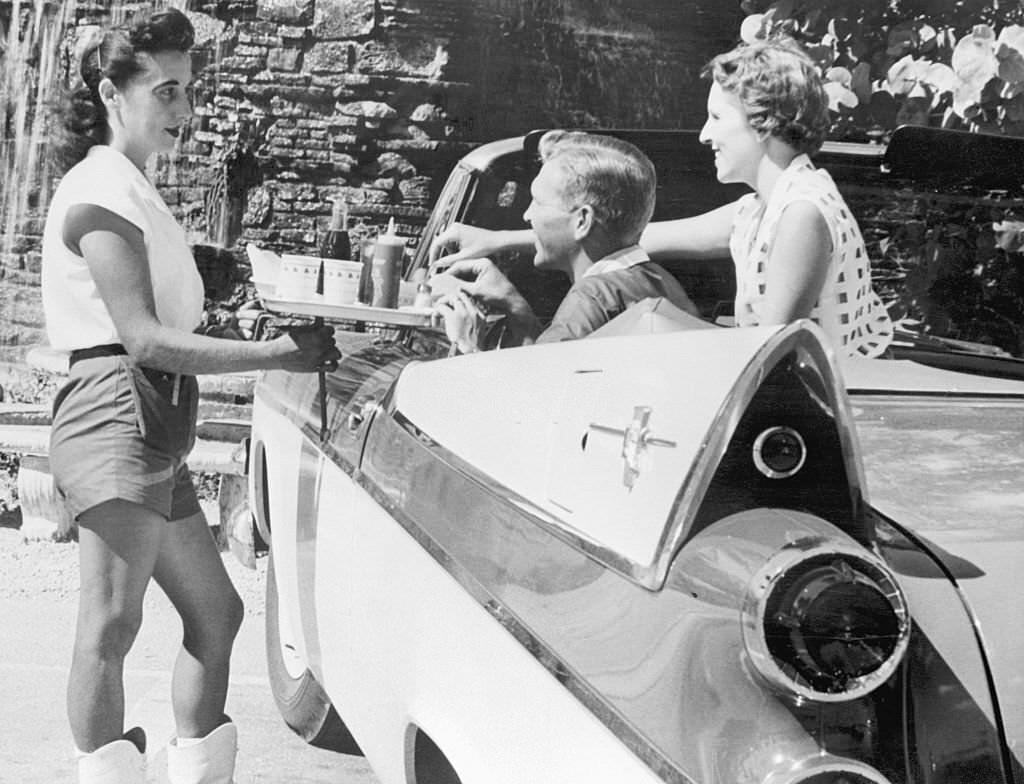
(590, 203)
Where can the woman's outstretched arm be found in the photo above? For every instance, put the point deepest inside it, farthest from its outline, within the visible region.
(115, 252)
(700, 237)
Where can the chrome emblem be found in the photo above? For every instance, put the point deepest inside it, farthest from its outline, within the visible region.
(635, 439)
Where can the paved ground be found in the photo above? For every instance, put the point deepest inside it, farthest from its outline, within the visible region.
(38, 593)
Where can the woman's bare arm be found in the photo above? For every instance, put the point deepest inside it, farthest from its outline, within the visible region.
(115, 253)
(700, 237)
(798, 264)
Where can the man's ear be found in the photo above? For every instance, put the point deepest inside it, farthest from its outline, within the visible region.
(108, 92)
(584, 222)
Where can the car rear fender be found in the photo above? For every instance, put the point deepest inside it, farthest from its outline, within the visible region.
(627, 446)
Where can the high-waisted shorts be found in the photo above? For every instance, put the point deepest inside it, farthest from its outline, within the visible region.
(121, 431)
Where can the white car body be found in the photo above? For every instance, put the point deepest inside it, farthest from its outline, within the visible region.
(525, 647)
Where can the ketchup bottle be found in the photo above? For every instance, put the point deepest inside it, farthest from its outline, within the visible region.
(386, 272)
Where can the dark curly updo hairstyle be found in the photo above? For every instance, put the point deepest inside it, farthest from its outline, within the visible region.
(114, 55)
(779, 87)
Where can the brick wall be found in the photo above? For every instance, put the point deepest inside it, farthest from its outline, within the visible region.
(302, 101)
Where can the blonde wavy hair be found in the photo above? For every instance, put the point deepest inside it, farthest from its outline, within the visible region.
(779, 87)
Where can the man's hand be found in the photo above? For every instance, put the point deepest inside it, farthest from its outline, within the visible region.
(486, 284)
(468, 242)
(482, 280)
(464, 322)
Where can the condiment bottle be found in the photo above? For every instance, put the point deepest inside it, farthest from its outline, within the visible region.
(424, 299)
(366, 246)
(334, 244)
(388, 255)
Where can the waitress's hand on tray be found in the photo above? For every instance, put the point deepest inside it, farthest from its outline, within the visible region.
(307, 349)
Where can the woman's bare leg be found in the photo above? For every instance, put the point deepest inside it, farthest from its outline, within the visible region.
(190, 571)
(118, 545)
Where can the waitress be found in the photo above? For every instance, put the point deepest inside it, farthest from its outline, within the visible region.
(122, 294)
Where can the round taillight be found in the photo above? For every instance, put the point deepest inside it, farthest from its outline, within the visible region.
(779, 452)
(827, 769)
(825, 621)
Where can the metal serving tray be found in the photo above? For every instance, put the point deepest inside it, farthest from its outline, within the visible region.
(317, 308)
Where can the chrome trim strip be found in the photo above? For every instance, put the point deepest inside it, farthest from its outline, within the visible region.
(611, 718)
(535, 514)
(937, 397)
(857, 149)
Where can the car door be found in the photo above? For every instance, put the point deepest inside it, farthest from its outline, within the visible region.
(310, 439)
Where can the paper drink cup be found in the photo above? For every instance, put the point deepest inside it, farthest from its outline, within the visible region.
(298, 277)
(341, 281)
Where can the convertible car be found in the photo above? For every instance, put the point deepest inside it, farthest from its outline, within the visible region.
(657, 554)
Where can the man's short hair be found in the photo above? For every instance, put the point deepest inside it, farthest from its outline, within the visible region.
(611, 175)
(779, 87)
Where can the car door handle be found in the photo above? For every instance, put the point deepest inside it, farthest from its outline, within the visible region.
(360, 413)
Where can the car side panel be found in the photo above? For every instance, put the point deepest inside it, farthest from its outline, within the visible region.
(404, 645)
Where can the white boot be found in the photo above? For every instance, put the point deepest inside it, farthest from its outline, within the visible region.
(210, 760)
(118, 762)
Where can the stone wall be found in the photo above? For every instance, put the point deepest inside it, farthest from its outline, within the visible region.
(299, 102)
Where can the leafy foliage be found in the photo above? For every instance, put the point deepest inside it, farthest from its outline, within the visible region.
(941, 268)
(948, 265)
(922, 62)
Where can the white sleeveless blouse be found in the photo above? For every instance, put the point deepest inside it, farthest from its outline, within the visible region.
(76, 316)
(848, 310)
